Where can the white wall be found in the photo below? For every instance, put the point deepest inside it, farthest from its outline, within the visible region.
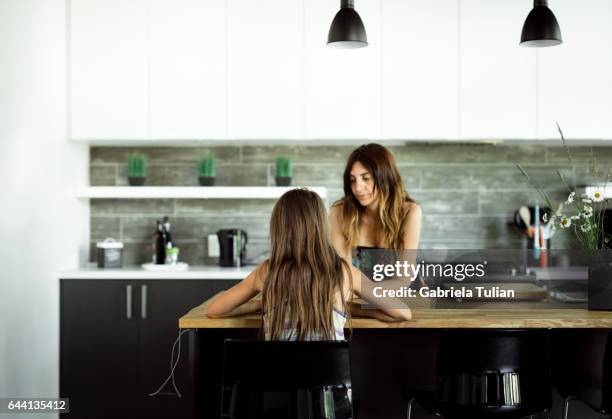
(42, 225)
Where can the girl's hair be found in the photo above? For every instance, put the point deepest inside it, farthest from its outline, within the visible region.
(305, 274)
(391, 194)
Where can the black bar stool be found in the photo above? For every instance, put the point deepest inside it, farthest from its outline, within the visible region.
(490, 374)
(289, 380)
(583, 368)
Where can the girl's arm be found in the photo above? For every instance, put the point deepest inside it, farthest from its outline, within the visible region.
(374, 313)
(398, 309)
(239, 298)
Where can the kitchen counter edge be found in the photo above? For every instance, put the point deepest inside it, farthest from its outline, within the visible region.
(136, 272)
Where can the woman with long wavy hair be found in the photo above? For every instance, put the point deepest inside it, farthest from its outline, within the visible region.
(376, 211)
(305, 284)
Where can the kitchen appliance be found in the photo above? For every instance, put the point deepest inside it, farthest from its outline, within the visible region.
(109, 253)
(232, 246)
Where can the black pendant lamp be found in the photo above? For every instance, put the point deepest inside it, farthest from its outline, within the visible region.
(541, 28)
(347, 30)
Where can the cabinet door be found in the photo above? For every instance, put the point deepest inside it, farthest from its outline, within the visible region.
(166, 302)
(497, 75)
(419, 69)
(188, 69)
(342, 86)
(98, 349)
(264, 46)
(108, 73)
(574, 78)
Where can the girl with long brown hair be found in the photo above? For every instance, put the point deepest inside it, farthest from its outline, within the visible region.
(305, 285)
(376, 211)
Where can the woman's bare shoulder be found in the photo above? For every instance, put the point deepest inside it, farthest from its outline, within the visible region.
(336, 208)
(412, 209)
(335, 213)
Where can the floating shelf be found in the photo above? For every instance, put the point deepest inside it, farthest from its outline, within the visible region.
(192, 192)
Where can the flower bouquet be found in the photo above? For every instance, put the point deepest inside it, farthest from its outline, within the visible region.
(583, 216)
(580, 214)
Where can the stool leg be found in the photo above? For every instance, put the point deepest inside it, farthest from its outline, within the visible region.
(409, 411)
(566, 406)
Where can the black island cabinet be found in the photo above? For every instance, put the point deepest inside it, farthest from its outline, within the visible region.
(116, 340)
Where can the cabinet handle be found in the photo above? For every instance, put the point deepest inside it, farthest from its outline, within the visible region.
(143, 301)
(128, 302)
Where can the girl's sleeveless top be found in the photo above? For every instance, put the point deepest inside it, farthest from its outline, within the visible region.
(289, 333)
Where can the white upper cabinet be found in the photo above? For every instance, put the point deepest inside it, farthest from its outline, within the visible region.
(265, 69)
(419, 69)
(497, 76)
(261, 70)
(188, 69)
(575, 78)
(108, 69)
(341, 86)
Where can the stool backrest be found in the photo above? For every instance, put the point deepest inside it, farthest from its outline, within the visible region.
(484, 373)
(583, 366)
(251, 368)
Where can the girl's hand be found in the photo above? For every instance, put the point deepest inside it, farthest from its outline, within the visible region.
(357, 311)
(382, 316)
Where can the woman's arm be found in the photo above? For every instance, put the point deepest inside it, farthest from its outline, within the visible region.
(239, 298)
(412, 227)
(337, 237)
(412, 234)
(364, 288)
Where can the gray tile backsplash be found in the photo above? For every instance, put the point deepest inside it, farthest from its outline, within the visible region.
(468, 192)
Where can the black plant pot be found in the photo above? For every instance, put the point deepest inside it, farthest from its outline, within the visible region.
(600, 288)
(137, 180)
(206, 180)
(283, 180)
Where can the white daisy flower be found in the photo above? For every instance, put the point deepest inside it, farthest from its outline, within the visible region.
(570, 198)
(586, 212)
(586, 227)
(597, 196)
(565, 222)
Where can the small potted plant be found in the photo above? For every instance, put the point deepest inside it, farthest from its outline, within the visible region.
(206, 170)
(284, 169)
(137, 169)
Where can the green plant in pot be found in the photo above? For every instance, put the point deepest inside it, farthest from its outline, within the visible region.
(206, 170)
(137, 169)
(284, 170)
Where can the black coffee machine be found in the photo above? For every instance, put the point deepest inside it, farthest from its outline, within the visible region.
(232, 247)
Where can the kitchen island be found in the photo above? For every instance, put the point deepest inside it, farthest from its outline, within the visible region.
(436, 318)
(387, 358)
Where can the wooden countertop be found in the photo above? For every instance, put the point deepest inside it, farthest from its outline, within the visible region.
(436, 318)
